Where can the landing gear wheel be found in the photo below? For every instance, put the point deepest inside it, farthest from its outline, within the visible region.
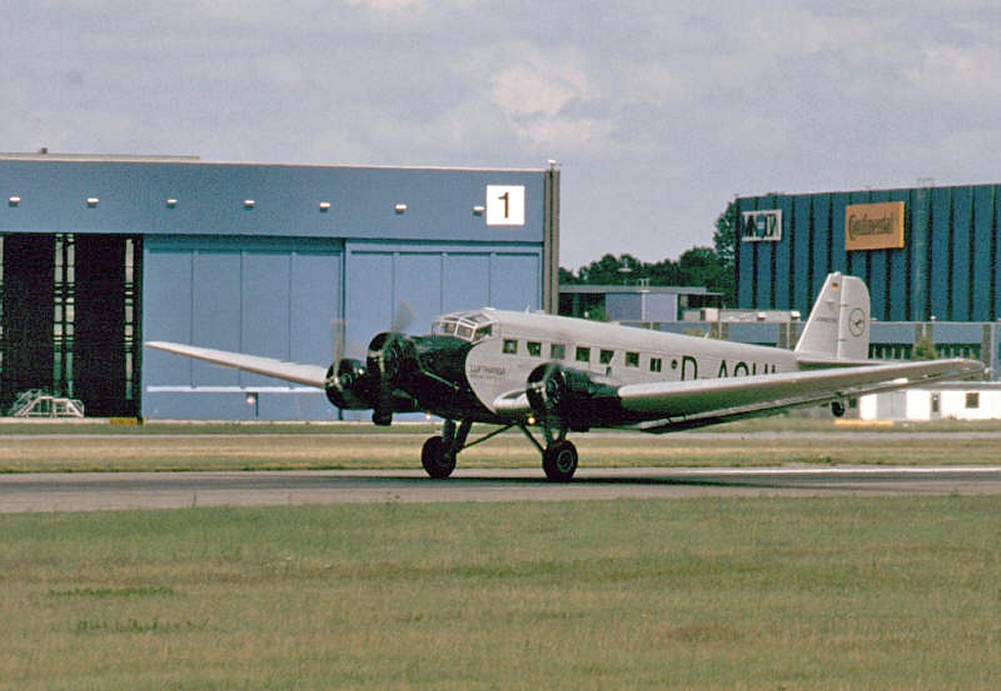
(437, 462)
(560, 461)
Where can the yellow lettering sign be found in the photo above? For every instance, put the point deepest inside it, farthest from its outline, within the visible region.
(874, 226)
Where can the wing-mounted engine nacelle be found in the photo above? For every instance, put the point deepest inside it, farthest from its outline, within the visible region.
(567, 395)
(348, 385)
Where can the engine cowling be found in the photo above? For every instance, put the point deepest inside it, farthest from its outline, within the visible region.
(392, 358)
(566, 395)
(348, 385)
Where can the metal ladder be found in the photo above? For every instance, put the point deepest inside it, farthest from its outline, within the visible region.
(38, 403)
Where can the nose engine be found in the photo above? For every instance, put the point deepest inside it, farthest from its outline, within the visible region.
(392, 358)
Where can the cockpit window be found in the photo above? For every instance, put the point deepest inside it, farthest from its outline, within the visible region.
(469, 326)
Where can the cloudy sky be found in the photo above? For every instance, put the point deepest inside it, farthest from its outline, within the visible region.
(659, 111)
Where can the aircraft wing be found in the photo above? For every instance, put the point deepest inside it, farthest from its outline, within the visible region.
(308, 375)
(671, 406)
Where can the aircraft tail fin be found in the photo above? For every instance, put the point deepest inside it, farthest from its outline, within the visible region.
(837, 330)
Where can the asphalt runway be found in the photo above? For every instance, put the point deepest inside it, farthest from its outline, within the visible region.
(51, 492)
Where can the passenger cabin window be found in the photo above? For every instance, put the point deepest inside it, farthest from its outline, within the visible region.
(656, 364)
(583, 354)
(534, 348)
(632, 359)
(557, 351)
(606, 356)
(510, 346)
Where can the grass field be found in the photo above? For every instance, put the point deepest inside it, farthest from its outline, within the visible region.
(831, 593)
(71, 448)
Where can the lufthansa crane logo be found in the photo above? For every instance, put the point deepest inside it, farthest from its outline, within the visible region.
(856, 322)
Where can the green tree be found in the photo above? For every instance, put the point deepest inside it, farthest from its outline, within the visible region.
(699, 266)
(924, 349)
(725, 243)
(664, 273)
(568, 277)
(713, 268)
(612, 270)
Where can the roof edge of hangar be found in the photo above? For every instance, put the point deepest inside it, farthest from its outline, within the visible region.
(180, 158)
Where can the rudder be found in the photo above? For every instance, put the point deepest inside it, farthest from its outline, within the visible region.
(838, 326)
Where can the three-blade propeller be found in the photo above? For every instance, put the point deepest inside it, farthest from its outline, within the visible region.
(374, 382)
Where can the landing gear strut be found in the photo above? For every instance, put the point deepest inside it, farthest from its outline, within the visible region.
(559, 456)
(438, 454)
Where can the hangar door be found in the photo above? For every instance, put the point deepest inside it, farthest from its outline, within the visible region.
(405, 287)
(70, 319)
(264, 296)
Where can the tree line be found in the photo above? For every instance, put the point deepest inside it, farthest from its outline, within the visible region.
(709, 267)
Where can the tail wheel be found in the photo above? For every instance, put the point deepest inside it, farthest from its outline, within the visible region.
(559, 461)
(437, 462)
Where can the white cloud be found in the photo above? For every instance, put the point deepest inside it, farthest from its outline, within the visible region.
(389, 5)
(648, 83)
(241, 11)
(959, 73)
(537, 80)
(334, 145)
(547, 98)
(561, 137)
(762, 44)
(522, 90)
(279, 70)
(687, 102)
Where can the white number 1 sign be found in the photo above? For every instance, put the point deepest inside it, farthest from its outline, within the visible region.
(505, 205)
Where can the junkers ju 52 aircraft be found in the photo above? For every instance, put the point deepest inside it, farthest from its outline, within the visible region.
(553, 375)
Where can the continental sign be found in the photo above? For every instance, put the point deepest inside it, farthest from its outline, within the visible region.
(874, 226)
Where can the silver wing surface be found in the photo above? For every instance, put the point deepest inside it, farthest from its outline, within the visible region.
(307, 375)
(677, 405)
(659, 407)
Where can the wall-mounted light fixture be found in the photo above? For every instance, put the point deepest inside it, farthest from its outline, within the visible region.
(479, 210)
(171, 203)
(254, 401)
(324, 207)
(249, 203)
(400, 208)
(14, 201)
(93, 201)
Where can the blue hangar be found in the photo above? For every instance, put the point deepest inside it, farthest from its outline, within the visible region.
(299, 262)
